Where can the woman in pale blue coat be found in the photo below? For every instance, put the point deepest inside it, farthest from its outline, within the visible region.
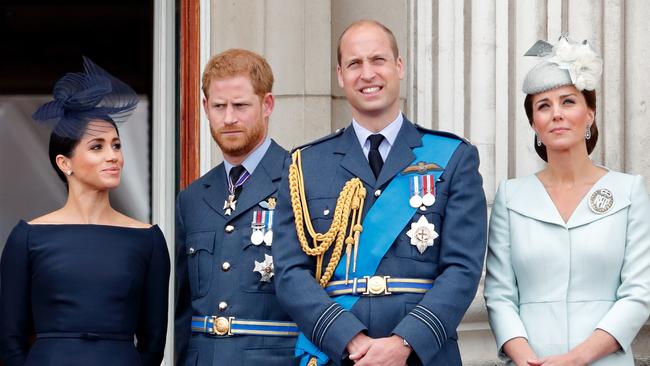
(568, 265)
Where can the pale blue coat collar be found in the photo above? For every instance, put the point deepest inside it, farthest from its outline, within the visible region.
(527, 196)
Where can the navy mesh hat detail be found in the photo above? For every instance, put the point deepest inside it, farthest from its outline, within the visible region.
(83, 97)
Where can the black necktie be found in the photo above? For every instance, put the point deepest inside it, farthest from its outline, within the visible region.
(374, 157)
(234, 175)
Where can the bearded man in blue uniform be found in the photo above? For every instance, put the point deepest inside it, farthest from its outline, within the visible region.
(382, 225)
(226, 309)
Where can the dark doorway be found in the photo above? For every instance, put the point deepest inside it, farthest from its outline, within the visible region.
(42, 39)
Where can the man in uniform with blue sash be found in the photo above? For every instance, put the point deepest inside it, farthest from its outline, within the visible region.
(226, 309)
(382, 226)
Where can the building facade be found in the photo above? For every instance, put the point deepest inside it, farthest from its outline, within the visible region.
(464, 70)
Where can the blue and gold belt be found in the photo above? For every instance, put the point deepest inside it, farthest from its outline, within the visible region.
(378, 286)
(230, 326)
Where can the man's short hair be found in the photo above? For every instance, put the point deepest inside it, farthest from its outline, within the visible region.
(389, 33)
(238, 62)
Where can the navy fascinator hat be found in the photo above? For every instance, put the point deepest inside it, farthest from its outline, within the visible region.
(82, 97)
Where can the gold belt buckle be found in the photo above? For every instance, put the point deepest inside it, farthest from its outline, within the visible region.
(376, 286)
(221, 325)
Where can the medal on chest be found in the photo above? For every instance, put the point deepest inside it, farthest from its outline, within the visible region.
(423, 190)
(265, 268)
(262, 223)
(429, 188)
(262, 226)
(422, 234)
(257, 236)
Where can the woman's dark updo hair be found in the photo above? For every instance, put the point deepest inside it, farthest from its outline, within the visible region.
(590, 98)
(61, 145)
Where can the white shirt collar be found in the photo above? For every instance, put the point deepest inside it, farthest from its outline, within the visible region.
(390, 133)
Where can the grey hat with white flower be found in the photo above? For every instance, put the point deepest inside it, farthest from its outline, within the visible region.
(566, 63)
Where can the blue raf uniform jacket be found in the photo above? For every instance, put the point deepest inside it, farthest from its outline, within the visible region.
(427, 321)
(215, 261)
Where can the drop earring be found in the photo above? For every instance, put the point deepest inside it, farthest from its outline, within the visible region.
(588, 132)
(538, 141)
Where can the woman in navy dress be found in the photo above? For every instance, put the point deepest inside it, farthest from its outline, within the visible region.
(88, 282)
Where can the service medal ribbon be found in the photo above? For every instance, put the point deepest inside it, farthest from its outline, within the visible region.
(257, 236)
(415, 184)
(429, 185)
(268, 236)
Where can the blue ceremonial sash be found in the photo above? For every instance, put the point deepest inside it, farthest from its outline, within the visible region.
(391, 207)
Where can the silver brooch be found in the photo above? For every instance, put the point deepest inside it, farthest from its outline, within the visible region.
(601, 201)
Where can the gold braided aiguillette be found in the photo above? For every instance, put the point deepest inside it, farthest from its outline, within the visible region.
(348, 213)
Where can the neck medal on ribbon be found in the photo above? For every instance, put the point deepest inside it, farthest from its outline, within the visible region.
(230, 204)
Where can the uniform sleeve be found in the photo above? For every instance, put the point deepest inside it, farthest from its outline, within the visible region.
(628, 314)
(324, 322)
(152, 324)
(501, 292)
(183, 311)
(462, 251)
(15, 302)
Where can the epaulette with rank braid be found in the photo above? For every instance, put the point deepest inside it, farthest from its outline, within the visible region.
(442, 133)
(318, 141)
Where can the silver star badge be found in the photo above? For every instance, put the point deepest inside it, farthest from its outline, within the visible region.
(422, 234)
(265, 268)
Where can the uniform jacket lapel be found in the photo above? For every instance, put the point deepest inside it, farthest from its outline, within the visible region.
(354, 160)
(261, 183)
(216, 189)
(259, 186)
(401, 154)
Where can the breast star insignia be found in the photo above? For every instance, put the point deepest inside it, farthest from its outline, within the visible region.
(422, 234)
(265, 268)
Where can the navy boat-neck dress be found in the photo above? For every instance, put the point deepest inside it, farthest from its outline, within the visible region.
(84, 291)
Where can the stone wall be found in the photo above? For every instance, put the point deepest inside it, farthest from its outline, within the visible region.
(464, 73)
